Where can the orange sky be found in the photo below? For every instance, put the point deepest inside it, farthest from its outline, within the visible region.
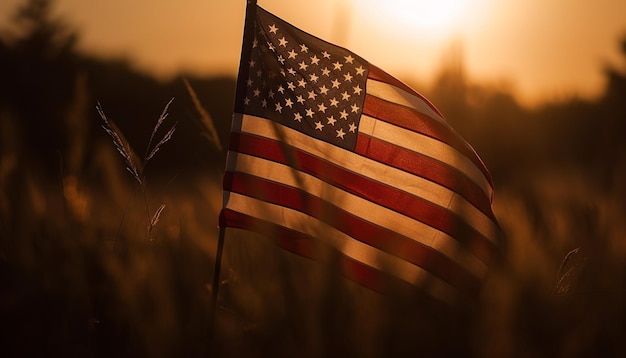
(545, 49)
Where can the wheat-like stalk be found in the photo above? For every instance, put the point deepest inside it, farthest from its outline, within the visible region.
(205, 118)
(133, 165)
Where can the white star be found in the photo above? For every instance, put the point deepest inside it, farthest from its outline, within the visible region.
(282, 42)
(246, 101)
(355, 108)
(312, 94)
(336, 83)
(340, 133)
(300, 99)
(255, 43)
(321, 108)
(313, 77)
(288, 103)
(337, 65)
(303, 66)
(273, 28)
(249, 82)
(297, 117)
(319, 125)
(360, 70)
(291, 71)
(349, 58)
(323, 89)
(345, 95)
(263, 103)
(326, 71)
(252, 63)
(279, 108)
(257, 92)
(302, 83)
(291, 86)
(282, 72)
(281, 89)
(292, 54)
(314, 60)
(326, 55)
(271, 46)
(309, 112)
(343, 114)
(303, 48)
(348, 77)
(281, 59)
(270, 94)
(352, 128)
(357, 90)
(334, 102)
(331, 120)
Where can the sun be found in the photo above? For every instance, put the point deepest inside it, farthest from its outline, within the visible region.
(436, 15)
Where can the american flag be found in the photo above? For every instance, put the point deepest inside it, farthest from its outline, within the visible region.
(326, 147)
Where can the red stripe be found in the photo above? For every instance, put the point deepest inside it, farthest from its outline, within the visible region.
(378, 74)
(425, 167)
(306, 246)
(384, 195)
(411, 119)
(353, 226)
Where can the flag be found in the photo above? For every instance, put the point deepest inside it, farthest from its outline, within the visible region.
(326, 147)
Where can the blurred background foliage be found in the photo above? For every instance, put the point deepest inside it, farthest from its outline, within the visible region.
(78, 276)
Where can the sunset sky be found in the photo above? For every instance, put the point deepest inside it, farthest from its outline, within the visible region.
(543, 49)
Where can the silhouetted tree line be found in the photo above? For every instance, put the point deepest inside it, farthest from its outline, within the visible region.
(43, 78)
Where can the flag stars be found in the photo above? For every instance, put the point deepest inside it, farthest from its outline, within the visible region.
(334, 102)
(246, 101)
(315, 60)
(282, 42)
(300, 99)
(349, 59)
(304, 49)
(289, 103)
(249, 82)
(281, 89)
(360, 71)
(345, 96)
(303, 66)
(340, 133)
(326, 55)
(312, 95)
(313, 77)
(352, 128)
(255, 43)
(357, 90)
(281, 59)
(279, 108)
(331, 120)
(252, 63)
(319, 126)
(348, 77)
(292, 54)
(264, 103)
(270, 94)
(321, 108)
(309, 112)
(291, 86)
(324, 89)
(302, 83)
(326, 71)
(337, 66)
(291, 71)
(297, 117)
(256, 92)
(355, 108)
(273, 28)
(343, 114)
(336, 83)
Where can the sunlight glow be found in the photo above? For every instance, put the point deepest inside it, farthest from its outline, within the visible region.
(440, 15)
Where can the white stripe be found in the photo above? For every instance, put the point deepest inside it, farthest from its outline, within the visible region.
(366, 210)
(419, 143)
(354, 249)
(397, 95)
(415, 185)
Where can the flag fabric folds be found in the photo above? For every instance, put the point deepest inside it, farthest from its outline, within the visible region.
(326, 147)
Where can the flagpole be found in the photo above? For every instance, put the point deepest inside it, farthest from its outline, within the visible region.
(248, 35)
